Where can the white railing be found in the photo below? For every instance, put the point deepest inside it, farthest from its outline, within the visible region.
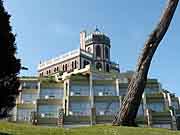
(63, 57)
(58, 59)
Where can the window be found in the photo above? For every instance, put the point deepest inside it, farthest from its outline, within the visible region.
(41, 74)
(72, 64)
(106, 52)
(75, 66)
(79, 90)
(54, 69)
(29, 98)
(63, 68)
(79, 108)
(98, 51)
(99, 66)
(105, 90)
(66, 67)
(150, 90)
(49, 111)
(157, 107)
(107, 108)
(175, 104)
(122, 91)
(89, 49)
(85, 62)
(29, 85)
(24, 114)
(107, 67)
(55, 93)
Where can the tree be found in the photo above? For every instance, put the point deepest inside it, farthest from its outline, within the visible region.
(131, 102)
(10, 65)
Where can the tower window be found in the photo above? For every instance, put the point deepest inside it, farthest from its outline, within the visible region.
(85, 62)
(107, 67)
(89, 49)
(107, 52)
(99, 66)
(98, 51)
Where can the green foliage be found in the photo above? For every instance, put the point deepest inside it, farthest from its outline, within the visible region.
(10, 65)
(47, 82)
(25, 129)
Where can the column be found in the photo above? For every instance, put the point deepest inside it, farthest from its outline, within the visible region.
(93, 108)
(91, 89)
(169, 99)
(117, 87)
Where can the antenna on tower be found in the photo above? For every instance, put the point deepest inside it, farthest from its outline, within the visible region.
(96, 29)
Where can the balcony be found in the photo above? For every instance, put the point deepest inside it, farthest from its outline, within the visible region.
(156, 97)
(161, 117)
(26, 106)
(50, 101)
(29, 91)
(106, 98)
(80, 98)
(47, 121)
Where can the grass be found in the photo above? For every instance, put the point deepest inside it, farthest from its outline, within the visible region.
(25, 129)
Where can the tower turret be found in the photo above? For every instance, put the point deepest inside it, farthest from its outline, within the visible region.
(99, 44)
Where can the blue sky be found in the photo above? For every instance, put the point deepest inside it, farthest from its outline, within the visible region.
(47, 28)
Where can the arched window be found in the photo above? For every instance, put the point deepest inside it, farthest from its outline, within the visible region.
(107, 67)
(107, 52)
(66, 67)
(75, 65)
(72, 64)
(98, 51)
(63, 68)
(54, 69)
(89, 49)
(99, 66)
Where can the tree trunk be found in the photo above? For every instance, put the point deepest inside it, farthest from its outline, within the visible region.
(130, 105)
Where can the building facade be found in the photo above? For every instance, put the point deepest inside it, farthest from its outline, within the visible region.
(94, 49)
(85, 87)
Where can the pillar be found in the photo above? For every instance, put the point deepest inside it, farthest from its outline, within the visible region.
(117, 87)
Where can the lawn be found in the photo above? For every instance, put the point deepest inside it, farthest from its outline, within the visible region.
(25, 129)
